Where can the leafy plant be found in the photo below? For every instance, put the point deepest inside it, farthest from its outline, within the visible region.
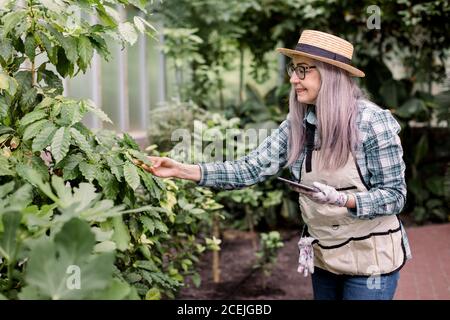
(266, 256)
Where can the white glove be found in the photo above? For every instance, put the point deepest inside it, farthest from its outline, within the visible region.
(306, 256)
(327, 195)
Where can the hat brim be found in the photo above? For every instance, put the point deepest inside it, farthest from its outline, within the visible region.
(352, 70)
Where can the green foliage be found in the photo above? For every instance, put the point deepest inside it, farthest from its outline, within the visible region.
(266, 256)
(130, 234)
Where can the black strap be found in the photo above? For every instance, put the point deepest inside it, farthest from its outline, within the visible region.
(310, 132)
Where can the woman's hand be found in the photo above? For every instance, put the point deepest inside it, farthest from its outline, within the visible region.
(165, 167)
(326, 195)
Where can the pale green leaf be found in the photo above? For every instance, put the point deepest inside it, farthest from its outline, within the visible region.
(44, 138)
(32, 117)
(60, 144)
(81, 142)
(131, 175)
(128, 32)
(33, 129)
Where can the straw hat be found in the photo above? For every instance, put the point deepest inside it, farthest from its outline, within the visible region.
(324, 47)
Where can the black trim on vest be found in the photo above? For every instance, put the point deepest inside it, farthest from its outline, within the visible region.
(310, 132)
(372, 234)
(346, 188)
(357, 238)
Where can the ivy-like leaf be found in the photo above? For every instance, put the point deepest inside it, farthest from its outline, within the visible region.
(60, 144)
(44, 138)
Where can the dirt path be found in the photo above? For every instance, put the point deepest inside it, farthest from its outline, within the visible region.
(240, 281)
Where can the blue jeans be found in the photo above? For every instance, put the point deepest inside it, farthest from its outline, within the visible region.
(330, 286)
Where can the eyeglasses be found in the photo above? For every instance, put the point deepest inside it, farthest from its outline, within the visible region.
(299, 70)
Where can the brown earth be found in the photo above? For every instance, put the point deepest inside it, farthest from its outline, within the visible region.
(240, 281)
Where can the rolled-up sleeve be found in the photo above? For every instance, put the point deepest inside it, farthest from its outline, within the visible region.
(384, 158)
(264, 161)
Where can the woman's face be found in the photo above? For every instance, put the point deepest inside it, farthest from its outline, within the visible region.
(308, 88)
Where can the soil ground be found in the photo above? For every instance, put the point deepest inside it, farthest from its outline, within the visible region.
(240, 281)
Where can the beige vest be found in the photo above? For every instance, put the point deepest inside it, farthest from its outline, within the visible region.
(344, 244)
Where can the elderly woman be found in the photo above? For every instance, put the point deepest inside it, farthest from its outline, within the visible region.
(345, 146)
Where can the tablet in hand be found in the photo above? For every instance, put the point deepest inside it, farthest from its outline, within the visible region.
(298, 185)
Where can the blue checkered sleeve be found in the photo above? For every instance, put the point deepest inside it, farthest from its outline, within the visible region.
(264, 161)
(384, 159)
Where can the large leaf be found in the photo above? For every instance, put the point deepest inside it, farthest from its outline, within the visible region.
(128, 32)
(85, 52)
(131, 175)
(44, 138)
(65, 268)
(32, 117)
(33, 129)
(121, 234)
(8, 244)
(60, 144)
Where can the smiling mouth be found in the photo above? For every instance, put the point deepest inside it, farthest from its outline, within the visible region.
(300, 90)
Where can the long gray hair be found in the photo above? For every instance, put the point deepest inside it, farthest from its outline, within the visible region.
(336, 111)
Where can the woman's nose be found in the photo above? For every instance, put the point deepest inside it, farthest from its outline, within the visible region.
(294, 78)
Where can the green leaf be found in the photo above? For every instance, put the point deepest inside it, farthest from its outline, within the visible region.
(65, 268)
(116, 166)
(121, 234)
(149, 184)
(411, 108)
(11, 20)
(88, 170)
(90, 105)
(153, 294)
(148, 223)
(33, 129)
(81, 142)
(436, 185)
(85, 52)
(44, 138)
(30, 46)
(421, 149)
(131, 175)
(71, 113)
(128, 32)
(32, 117)
(8, 244)
(60, 144)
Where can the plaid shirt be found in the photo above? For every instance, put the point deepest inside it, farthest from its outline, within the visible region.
(379, 159)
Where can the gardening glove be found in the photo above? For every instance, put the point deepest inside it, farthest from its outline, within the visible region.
(306, 256)
(327, 195)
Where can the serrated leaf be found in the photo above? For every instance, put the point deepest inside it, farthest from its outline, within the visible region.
(116, 166)
(32, 117)
(33, 129)
(81, 142)
(44, 138)
(30, 46)
(128, 33)
(85, 52)
(96, 111)
(121, 234)
(11, 20)
(131, 175)
(88, 170)
(60, 144)
(71, 113)
(149, 184)
(148, 223)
